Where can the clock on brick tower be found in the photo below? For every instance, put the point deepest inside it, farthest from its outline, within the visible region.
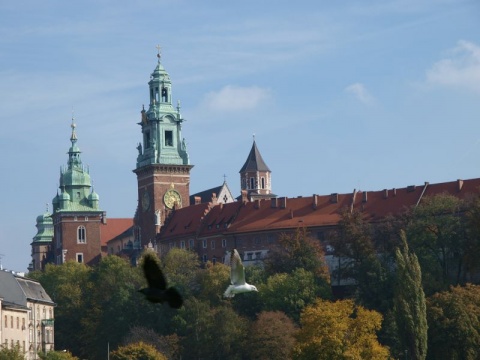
(163, 166)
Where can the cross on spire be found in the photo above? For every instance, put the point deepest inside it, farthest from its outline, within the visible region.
(158, 53)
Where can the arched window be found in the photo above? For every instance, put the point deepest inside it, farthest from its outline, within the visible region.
(81, 235)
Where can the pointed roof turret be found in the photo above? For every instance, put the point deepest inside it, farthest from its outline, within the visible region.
(254, 161)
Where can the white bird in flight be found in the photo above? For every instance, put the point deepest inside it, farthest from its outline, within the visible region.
(237, 277)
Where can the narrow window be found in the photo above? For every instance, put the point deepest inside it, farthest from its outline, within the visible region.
(182, 244)
(204, 244)
(263, 183)
(204, 258)
(164, 94)
(213, 244)
(224, 243)
(6, 321)
(147, 139)
(157, 95)
(81, 235)
(214, 260)
(18, 322)
(79, 259)
(252, 183)
(168, 138)
(191, 243)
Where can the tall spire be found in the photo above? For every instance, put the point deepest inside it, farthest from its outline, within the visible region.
(74, 152)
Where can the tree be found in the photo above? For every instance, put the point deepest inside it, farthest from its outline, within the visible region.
(11, 354)
(409, 303)
(180, 267)
(289, 293)
(57, 355)
(69, 285)
(169, 345)
(337, 331)
(361, 262)
(209, 333)
(272, 336)
(213, 281)
(137, 351)
(454, 323)
(436, 232)
(298, 250)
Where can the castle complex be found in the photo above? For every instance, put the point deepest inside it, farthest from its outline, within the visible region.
(210, 222)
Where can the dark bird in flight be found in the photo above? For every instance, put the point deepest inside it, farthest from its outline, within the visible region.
(157, 291)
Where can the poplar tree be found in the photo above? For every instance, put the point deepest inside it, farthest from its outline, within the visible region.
(409, 303)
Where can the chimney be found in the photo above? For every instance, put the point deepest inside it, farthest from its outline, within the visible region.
(274, 203)
(257, 204)
(291, 214)
(334, 198)
(198, 200)
(364, 197)
(315, 201)
(459, 185)
(244, 196)
(394, 191)
(283, 202)
(385, 193)
(411, 188)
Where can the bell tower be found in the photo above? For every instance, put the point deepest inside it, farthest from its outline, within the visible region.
(163, 166)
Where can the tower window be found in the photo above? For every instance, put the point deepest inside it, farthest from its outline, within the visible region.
(157, 98)
(168, 138)
(164, 94)
(252, 183)
(81, 235)
(263, 183)
(147, 139)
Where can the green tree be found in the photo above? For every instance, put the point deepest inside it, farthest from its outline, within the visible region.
(114, 304)
(213, 280)
(361, 262)
(137, 351)
(57, 355)
(454, 323)
(69, 286)
(210, 333)
(11, 354)
(272, 336)
(289, 293)
(298, 250)
(180, 267)
(410, 304)
(169, 345)
(339, 331)
(436, 232)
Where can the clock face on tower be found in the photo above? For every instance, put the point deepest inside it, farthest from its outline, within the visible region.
(171, 197)
(145, 201)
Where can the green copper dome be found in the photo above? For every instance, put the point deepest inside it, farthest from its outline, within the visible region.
(75, 183)
(44, 228)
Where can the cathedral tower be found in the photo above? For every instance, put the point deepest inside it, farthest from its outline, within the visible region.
(76, 216)
(163, 166)
(255, 176)
(42, 241)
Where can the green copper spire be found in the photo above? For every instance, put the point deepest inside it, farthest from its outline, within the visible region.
(75, 182)
(161, 124)
(44, 228)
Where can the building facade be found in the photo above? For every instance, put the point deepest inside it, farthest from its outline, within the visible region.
(27, 315)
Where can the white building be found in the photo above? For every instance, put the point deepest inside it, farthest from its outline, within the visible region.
(26, 313)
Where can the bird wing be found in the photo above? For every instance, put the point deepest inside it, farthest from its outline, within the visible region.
(153, 273)
(237, 270)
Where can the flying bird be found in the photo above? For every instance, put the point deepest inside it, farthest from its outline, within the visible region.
(157, 291)
(237, 277)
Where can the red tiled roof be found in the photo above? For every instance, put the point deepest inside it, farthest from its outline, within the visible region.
(316, 210)
(184, 221)
(113, 228)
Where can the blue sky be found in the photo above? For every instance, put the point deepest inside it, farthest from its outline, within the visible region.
(340, 95)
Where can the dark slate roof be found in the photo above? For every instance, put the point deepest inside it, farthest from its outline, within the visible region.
(15, 289)
(206, 195)
(254, 161)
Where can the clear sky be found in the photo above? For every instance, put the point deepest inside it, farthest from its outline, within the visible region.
(340, 95)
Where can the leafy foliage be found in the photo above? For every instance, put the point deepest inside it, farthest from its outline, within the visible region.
(57, 355)
(454, 323)
(11, 353)
(410, 304)
(137, 351)
(272, 336)
(339, 330)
